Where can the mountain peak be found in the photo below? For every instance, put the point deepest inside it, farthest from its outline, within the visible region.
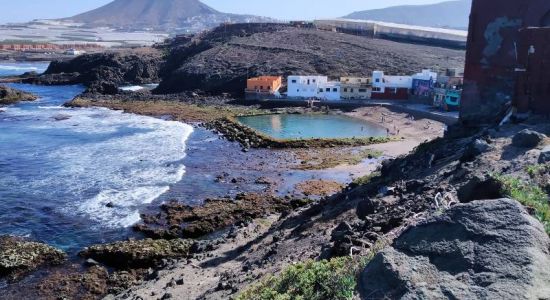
(167, 15)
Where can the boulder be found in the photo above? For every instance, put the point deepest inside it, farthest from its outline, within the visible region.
(19, 256)
(479, 188)
(489, 249)
(11, 96)
(138, 253)
(474, 149)
(365, 208)
(528, 139)
(544, 155)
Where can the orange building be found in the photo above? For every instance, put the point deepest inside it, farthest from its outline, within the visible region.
(264, 84)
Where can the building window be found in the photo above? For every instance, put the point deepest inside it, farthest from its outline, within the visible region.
(261, 87)
(335, 90)
(320, 90)
(345, 90)
(376, 89)
(294, 81)
(377, 79)
(362, 90)
(313, 80)
(352, 90)
(327, 89)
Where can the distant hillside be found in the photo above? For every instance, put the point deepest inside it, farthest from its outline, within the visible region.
(167, 15)
(450, 14)
(220, 61)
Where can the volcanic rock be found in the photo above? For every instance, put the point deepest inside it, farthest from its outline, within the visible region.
(544, 155)
(490, 249)
(528, 139)
(104, 72)
(19, 256)
(137, 254)
(365, 208)
(9, 95)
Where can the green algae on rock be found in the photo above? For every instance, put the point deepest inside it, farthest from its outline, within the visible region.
(19, 256)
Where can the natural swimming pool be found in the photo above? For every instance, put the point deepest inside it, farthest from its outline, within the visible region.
(310, 126)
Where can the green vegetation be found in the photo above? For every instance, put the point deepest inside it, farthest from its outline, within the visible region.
(365, 179)
(535, 170)
(529, 195)
(312, 280)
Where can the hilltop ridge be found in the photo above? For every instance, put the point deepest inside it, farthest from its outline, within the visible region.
(167, 15)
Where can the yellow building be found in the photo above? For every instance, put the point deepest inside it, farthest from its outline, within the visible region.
(356, 88)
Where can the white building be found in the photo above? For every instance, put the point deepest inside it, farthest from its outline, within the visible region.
(330, 91)
(426, 75)
(306, 87)
(380, 82)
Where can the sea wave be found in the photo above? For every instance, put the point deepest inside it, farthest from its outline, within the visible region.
(117, 162)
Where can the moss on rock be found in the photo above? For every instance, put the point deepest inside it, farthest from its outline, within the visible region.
(19, 256)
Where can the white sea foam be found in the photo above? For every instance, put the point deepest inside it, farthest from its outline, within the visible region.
(123, 159)
(132, 88)
(17, 68)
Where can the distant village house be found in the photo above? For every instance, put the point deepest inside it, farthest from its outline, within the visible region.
(263, 87)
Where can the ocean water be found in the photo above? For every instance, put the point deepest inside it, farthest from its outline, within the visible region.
(312, 126)
(74, 177)
(8, 68)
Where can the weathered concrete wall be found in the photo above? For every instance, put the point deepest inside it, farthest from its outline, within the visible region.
(489, 77)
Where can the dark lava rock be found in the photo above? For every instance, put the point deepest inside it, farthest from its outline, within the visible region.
(180, 220)
(365, 208)
(19, 256)
(528, 139)
(491, 249)
(474, 149)
(545, 155)
(138, 254)
(480, 188)
(9, 95)
(103, 72)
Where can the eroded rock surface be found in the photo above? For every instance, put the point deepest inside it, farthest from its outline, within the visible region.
(19, 256)
(487, 249)
(9, 95)
(137, 254)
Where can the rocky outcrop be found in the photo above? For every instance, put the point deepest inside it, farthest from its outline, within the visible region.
(220, 61)
(488, 249)
(138, 253)
(18, 256)
(528, 139)
(544, 155)
(104, 72)
(10, 96)
(180, 220)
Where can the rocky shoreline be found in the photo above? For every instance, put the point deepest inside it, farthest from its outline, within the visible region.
(230, 244)
(11, 96)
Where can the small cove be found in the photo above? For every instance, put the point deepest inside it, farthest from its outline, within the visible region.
(312, 126)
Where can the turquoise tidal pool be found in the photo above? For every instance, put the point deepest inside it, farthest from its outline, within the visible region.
(312, 126)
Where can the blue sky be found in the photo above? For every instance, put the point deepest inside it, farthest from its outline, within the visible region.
(26, 10)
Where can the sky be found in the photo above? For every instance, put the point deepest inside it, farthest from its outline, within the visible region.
(27, 10)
